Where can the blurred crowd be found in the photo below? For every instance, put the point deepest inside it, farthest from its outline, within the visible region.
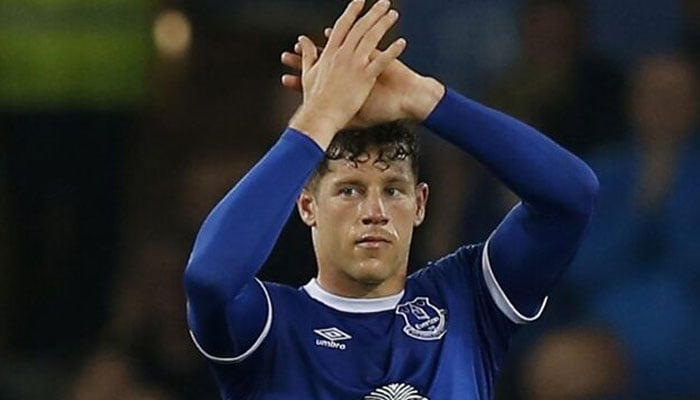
(122, 122)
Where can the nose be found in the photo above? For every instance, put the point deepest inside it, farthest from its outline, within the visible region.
(374, 210)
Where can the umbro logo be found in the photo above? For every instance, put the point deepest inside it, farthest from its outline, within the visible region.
(331, 338)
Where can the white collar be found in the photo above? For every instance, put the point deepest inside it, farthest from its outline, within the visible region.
(352, 305)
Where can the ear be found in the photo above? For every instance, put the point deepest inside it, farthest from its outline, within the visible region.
(306, 205)
(422, 192)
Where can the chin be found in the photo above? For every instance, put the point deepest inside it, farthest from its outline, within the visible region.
(372, 271)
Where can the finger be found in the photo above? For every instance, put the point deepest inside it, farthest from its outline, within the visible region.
(371, 39)
(344, 23)
(297, 49)
(291, 60)
(291, 82)
(384, 58)
(309, 53)
(364, 24)
(327, 33)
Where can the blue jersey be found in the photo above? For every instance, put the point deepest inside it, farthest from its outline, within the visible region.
(443, 337)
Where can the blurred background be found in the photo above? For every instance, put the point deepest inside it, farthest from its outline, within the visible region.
(122, 122)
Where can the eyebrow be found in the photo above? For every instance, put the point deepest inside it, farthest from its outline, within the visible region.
(348, 181)
(398, 179)
(354, 181)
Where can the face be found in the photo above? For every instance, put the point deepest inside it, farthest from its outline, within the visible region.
(664, 101)
(549, 32)
(362, 217)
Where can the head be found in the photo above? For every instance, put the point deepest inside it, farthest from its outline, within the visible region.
(362, 204)
(551, 30)
(664, 100)
(691, 14)
(584, 362)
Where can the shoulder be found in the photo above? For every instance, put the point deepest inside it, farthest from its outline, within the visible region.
(458, 266)
(285, 296)
(280, 289)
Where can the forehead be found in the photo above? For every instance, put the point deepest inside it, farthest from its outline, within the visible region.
(369, 166)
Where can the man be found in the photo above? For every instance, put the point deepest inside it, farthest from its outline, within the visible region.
(362, 329)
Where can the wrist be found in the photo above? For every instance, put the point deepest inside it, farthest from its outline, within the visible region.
(320, 128)
(422, 98)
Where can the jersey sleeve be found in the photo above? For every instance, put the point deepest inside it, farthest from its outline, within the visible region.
(529, 250)
(229, 310)
(499, 296)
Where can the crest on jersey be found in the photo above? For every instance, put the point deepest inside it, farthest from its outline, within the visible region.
(396, 391)
(424, 321)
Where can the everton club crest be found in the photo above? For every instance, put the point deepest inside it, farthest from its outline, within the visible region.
(424, 321)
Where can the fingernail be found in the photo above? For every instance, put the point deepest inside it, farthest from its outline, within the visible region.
(393, 13)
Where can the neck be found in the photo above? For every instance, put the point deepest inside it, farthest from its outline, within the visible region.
(346, 286)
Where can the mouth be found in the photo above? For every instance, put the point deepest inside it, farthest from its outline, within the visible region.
(372, 242)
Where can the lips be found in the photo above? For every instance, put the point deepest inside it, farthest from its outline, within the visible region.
(372, 241)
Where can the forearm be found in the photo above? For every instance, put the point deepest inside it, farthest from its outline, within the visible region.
(547, 177)
(240, 232)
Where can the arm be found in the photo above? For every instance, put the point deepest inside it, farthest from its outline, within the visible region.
(226, 307)
(536, 241)
(234, 242)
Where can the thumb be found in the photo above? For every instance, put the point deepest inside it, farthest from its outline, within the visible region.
(309, 53)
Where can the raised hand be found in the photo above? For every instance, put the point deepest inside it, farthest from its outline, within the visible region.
(399, 92)
(337, 83)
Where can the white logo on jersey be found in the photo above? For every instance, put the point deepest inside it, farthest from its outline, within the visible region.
(395, 391)
(331, 338)
(424, 321)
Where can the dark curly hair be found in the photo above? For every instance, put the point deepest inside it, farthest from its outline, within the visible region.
(394, 140)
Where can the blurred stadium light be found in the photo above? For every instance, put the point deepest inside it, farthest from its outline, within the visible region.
(172, 33)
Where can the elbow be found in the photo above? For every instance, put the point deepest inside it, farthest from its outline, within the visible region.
(197, 281)
(193, 278)
(587, 195)
(205, 278)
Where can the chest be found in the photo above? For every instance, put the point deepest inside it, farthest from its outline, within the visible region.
(421, 344)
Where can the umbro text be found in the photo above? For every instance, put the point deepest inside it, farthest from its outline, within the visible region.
(330, 344)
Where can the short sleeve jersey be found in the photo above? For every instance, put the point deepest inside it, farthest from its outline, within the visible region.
(443, 337)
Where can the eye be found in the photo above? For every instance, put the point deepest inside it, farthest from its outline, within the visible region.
(392, 191)
(348, 191)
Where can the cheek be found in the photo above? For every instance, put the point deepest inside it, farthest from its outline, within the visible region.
(406, 235)
(334, 223)
(404, 222)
